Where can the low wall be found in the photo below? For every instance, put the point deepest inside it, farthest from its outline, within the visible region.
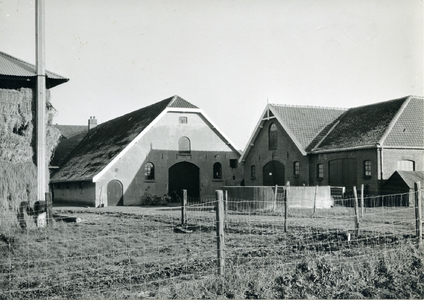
(248, 198)
(303, 197)
(253, 197)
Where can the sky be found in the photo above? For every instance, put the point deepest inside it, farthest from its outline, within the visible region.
(230, 58)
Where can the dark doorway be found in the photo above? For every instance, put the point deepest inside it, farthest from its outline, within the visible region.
(115, 193)
(274, 173)
(184, 176)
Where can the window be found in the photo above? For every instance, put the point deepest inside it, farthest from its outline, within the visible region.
(296, 168)
(149, 171)
(233, 163)
(320, 171)
(405, 165)
(272, 137)
(183, 120)
(217, 170)
(253, 172)
(184, 145)
(367, 168)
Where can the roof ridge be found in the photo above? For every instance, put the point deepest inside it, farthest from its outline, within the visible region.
(307, 106)
(174, 98)
(381, 102)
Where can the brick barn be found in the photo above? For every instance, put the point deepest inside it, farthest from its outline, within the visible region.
(338, 147)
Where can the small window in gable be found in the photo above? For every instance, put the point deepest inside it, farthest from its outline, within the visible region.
(367, 168)
(183, 120)
(149, 171)
(184, 146)
(217, 170)
(296, 168)
(405, 165)
(252, 172)
(272, 137)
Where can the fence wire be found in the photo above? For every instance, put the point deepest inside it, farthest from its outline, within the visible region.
(115, 254)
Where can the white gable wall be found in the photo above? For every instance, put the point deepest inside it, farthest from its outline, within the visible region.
(159, 145)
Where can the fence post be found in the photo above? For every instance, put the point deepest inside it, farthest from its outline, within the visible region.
(418, 212)
(226, 208)
(356, 211)
(184, 208)
(49, 214)
(274, 206)
(286, 208)
(362, 201)
(315, 199)
(220, 231)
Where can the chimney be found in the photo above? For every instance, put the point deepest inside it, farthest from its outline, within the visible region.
(92, 122)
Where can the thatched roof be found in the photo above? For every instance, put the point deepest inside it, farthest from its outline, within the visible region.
(104, 142)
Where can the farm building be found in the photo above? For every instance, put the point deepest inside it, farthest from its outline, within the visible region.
(18, 171)
(155, 151)
(338, 147)
(401, 186)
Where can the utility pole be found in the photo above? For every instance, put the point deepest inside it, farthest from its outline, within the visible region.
(41, 99)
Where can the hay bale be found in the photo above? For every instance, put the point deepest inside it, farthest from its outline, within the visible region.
(18, 171)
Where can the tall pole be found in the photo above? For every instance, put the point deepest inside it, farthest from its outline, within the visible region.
(41, 99)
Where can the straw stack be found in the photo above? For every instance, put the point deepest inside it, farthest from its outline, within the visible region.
(18, 171)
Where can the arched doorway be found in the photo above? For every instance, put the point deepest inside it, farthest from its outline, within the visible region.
(274, 173)
(184, 176)
(115, 193)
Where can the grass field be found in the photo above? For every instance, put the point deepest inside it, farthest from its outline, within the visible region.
(145, 254)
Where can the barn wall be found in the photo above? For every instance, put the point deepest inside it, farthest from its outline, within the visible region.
(287, 153)
(391, 156)
(74, 193)
(160, 146)
(359, 156)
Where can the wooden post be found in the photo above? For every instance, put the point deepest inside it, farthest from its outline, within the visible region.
(315, 199)
(226, 208)
(41, 100)
(286, 209)
(220, 231)
(362, 201)
(356, 211)
(418, 212)
(184, 208)
(274, 204)
(49, 214)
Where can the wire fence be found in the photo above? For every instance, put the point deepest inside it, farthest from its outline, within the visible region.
(118, 254)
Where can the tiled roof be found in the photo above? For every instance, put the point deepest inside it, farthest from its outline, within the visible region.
(362, 126)
(179, 102)
(68, 131)
(409, 127)
(307, 122)
(104, 142)
(14, 68)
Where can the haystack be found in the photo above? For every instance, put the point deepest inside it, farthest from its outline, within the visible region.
(18, 171)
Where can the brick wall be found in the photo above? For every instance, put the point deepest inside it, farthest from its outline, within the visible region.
(286, 153)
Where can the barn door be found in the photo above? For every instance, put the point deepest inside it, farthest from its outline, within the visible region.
(274, 173)
(343, 172)
(184, 176)
(115, 193)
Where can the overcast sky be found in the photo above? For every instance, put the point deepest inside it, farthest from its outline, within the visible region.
(227, 57)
